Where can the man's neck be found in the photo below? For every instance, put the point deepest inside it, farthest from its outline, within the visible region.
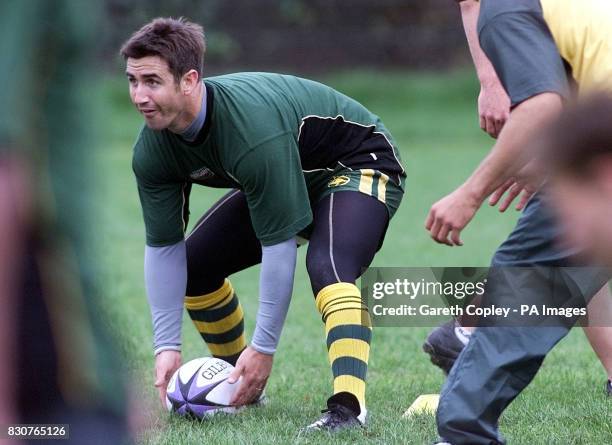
(193, 117)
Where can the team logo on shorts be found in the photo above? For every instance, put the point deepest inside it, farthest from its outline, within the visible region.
(338, 181)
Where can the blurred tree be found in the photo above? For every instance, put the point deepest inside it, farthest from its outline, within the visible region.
(313, 35)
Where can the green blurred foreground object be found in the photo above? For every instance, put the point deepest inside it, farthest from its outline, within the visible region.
(62, 367)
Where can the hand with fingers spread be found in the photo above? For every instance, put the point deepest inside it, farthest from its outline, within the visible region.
(526, 183)
(513, 189)
(166, 363)
(255, 368)
(449, 216)
(493, 107)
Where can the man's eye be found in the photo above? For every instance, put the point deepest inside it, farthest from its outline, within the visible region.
(152, 82)
(132, 81)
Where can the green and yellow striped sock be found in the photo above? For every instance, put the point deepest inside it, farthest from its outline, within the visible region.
(219, 319)
(348, 330)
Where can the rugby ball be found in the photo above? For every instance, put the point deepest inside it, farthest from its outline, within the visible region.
(199, 389)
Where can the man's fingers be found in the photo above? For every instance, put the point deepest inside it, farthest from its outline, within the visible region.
(483, 123)
(435, 228)
(456, 237)
(239, 394)
(161, 390)
(525, 197)
(514, 191)
(442, 235)
(161, 383)
(490, 126)
(247, 391)
(236, 373)
(233, 378)
(161, 386)
(499, 124)
(497, 194)
(430, 219)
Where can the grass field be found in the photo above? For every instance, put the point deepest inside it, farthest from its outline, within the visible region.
(433, 118)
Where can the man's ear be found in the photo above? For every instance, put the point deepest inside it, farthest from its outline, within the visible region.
(189, 82)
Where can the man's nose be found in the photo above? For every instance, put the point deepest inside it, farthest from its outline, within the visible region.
(139, 96)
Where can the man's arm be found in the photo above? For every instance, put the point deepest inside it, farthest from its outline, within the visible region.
(166, 282)
(493, 101)
(452, 213)
(273, 182)
(512, 151)
(521, 48)
(275, 289)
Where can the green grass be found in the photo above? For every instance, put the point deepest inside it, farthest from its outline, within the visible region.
(433, 117)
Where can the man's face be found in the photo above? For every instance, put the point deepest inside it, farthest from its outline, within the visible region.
(584, 207)
(154, 92)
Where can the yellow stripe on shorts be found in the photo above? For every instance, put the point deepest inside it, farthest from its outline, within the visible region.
(366, 181)
(382, 187)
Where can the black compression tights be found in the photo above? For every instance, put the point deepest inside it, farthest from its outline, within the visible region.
(348, 229)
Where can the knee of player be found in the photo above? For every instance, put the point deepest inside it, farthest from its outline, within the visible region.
(202, 282)
(320, 271)
(317, 263)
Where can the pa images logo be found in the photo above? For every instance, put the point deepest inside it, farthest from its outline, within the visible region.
(338, 181)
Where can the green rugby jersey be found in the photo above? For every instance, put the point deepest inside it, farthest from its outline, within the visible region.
(270, 135)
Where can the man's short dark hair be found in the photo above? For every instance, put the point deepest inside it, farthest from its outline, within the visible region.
(178, 41)
(581, 135)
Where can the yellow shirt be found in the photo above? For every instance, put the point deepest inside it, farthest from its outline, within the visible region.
(582, 30)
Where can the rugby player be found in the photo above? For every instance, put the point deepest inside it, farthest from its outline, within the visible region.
(530, 43)
(301, 160)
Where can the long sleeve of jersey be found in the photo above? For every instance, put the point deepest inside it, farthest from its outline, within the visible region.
(275, 289)
(166, 282)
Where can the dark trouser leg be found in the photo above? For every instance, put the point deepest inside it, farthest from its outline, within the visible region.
(223, 242)
(495, 366)
(499, 362)
(348, 230)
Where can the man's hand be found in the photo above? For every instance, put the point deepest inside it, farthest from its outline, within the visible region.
(514, 188)
(255, 368)
(493, 107)
(526, 183)
(166, 363)
(450, 215)
(493, 101)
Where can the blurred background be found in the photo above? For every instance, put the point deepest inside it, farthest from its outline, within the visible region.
(309, 35)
